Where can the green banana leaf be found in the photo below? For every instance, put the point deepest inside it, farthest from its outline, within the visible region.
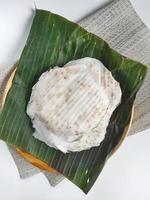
(53, 41)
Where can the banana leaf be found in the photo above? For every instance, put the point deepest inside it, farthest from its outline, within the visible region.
(53, 41)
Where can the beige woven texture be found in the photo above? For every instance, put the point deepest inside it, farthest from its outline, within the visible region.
(122, 28)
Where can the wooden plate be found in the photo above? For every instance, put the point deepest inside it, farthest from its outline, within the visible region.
(39, 163)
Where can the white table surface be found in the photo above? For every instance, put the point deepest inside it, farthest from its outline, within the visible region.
(126, 175)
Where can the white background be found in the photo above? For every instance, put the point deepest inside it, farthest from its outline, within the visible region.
(126, 175)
